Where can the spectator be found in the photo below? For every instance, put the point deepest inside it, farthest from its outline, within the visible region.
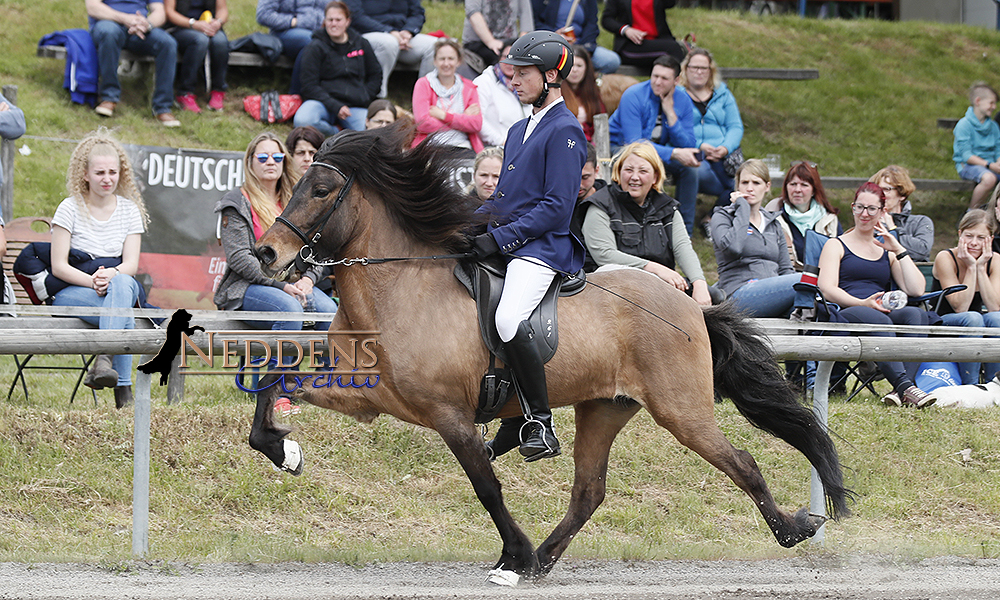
(589, 185)
(631, 222)
(977, 143)
(641, 31)
(11, 128)
(581, 94)
(197, 36)
(340, 75)
(393, 27)
(134, 26)
(971, 263)
(553, 15)
(104, 216)
(447, 104)
(915, 232)
(293, 22)
(498, 101)
(857, 268)
(718, 132)
(486, 172)
(302, 143)
(993, 220)
(803, 206)
(489, 22)
(244, 215)
(755, 270)
(381, 113)
(656, 110)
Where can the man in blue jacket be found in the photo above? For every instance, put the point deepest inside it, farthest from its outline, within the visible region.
(553, 15)
(393, 27)
(529, 222)
(656, 111)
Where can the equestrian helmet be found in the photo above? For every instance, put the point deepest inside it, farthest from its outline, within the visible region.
(543, 49)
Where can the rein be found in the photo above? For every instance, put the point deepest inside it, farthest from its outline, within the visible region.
(314, 234)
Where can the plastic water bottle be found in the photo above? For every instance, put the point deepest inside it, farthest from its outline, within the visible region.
(893, 300)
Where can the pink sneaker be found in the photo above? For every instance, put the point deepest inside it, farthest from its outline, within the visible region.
(216, 101)
(187, 102)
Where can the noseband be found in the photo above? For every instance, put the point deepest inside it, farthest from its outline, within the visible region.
(310, 237)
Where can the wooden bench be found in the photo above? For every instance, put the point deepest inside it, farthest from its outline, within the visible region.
(926, 185)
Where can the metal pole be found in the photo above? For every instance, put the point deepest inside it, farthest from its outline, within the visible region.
(817, 501)
(140, 467)
(802, 8)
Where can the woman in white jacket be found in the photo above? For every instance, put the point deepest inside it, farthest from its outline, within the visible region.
(498, 102)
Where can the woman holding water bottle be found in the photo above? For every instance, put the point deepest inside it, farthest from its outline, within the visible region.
(857, 271)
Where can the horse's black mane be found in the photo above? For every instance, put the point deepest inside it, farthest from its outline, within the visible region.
(414, 184)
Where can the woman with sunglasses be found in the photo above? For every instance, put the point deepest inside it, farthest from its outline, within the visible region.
(244, 215)
(803, 206)
(915, 232)
(858, 268)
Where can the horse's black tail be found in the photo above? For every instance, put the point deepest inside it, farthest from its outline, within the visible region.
(746, 372)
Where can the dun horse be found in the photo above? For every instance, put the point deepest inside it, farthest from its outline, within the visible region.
(364, 197)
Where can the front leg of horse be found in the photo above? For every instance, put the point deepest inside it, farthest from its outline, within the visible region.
(268, 437)
(517, 559)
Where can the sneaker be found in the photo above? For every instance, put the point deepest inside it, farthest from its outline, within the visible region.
(168, 120)
(106, 108)
(284, 407)
(891, 399)
(217, 100)
(914, 396)
(187, 102)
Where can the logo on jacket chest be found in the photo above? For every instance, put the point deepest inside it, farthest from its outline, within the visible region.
(356, 53)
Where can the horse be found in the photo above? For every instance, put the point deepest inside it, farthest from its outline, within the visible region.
(644, 346)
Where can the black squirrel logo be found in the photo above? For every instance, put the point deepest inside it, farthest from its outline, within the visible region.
(180, 322)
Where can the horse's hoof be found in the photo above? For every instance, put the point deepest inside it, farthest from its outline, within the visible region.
(294, 461)
(503, 577)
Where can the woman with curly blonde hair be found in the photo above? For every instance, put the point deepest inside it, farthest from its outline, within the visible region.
(244, 215)
(96, 238)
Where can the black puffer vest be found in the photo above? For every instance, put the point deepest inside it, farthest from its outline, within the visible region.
(650, 239)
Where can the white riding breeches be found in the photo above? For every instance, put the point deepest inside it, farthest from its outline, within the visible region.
(523, 288)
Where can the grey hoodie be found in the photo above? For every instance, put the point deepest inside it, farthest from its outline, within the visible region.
(742, 251)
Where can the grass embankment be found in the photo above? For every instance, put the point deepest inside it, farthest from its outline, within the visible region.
(392, 492)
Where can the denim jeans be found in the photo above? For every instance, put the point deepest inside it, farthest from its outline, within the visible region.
(713, 181)
(388, 53)
(771, 297)
(110, 38)
(123, 292)
(899, 374)
(267, 298)
(312, 112)
(292, 43)
(970, 371)
(606, 61)
(194, 47)
(686, 179)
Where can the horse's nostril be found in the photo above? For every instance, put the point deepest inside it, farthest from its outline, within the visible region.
(266, 255)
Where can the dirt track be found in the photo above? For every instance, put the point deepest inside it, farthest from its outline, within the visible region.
(800, 578)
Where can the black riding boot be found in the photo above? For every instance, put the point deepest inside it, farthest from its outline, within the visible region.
(507, 438)
(529, 379)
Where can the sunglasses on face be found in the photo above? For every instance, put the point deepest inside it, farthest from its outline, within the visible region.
(277, 156)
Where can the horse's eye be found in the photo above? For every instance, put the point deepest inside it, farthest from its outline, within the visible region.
(320, 192)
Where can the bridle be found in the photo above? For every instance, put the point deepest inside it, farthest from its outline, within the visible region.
(313, 235)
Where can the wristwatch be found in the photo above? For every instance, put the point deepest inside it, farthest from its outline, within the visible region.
(191, 23)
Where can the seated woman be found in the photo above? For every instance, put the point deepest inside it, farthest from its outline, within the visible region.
(972, 263)
(803, 206)
(718, 128)
(581, 94)
(857, 268)
(105, 218)
(302, 143)
(641, 31)
(915, 232)
(498, 101)
(292, 22)
(196, 38)
(486, 173)
(631, 222)
(447, 104)
(755, 269)
(340, 75)
(381, 113)
(244, 215)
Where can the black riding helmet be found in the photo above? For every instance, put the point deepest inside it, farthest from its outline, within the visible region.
(545, 50)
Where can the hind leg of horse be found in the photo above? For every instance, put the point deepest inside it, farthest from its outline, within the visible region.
(466, 444)
(704, 437)
(597, 425)
(268, 437)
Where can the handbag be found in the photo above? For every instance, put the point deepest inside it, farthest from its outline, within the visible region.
(733, 161)
(272, 107)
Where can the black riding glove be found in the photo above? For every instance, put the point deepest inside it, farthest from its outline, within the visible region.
(484, 245)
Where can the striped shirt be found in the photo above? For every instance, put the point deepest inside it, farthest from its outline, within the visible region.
(100, 239)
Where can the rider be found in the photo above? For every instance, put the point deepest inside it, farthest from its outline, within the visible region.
(529, 217)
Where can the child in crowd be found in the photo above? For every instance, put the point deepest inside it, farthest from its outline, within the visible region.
(977, 143)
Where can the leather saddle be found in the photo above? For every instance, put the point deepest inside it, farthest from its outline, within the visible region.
(484, 282)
